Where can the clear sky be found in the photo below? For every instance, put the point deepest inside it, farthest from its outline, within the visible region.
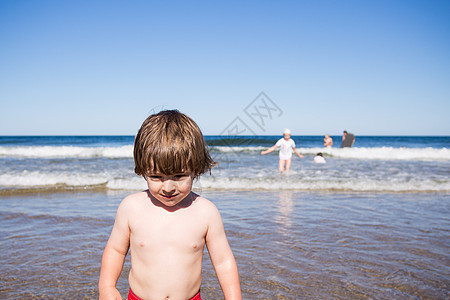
(372, 67)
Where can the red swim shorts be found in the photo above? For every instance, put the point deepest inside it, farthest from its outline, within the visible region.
(132, 296)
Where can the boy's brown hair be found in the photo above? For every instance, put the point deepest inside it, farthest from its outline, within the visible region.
(170, 142)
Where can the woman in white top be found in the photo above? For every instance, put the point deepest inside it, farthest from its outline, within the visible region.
(287, 146)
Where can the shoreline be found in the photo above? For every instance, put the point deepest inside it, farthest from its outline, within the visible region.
(102, 189)
(287, 244)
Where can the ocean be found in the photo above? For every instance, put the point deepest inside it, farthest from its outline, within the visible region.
(371, 223)
(378, 164)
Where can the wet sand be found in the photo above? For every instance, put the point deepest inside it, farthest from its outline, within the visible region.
(288, 245)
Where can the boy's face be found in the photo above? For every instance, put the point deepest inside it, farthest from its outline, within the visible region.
(287, 136)
(170, 189)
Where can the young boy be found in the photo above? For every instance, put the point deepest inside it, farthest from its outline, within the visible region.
(287, 145)
(167, 226)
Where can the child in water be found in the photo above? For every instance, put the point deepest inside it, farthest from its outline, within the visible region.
(167, 226)
(319, 159)
(287, 146)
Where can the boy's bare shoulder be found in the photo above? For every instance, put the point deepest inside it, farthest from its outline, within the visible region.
(206, 205)
(134, 200)
(138, 195)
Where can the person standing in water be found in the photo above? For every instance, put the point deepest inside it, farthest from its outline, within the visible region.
(328, 141)
(348, 139)
(287, 146)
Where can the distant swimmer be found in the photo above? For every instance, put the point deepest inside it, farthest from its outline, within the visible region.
(287, 146)
(328, 141)
(348, 139)
(319, 159)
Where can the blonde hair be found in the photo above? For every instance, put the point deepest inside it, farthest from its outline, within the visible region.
(170, 142)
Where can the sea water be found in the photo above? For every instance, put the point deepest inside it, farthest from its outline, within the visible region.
(400, 164)
(371, 223)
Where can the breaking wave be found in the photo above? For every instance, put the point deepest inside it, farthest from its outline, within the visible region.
(378, 153)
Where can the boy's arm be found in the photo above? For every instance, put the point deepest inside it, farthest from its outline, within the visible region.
(222, 258)
(114, 256)
(112, 264)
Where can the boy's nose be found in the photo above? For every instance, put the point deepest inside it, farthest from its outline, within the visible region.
(168, 186)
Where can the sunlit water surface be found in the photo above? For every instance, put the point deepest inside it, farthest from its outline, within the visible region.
(288, 244)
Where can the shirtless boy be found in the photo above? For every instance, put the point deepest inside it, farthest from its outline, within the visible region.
(167, 226)
(287, 145)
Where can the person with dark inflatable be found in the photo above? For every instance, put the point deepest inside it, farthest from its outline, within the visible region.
(348, 139)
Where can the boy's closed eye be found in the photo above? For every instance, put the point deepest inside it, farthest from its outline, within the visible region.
(176, 177)
(181, 176)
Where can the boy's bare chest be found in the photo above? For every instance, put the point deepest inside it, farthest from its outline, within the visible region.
(184, 232)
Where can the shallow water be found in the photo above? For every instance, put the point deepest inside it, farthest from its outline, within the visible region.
(374, 164)
(288, 244)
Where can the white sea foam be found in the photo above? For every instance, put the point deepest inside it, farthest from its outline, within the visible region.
(382, 153)
(227, 149)
(324, 185)
(242, 168)
(38, 178)
(135, 183)
(376, 153)
(66, 152)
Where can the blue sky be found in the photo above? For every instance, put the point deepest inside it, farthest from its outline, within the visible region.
(100, 67)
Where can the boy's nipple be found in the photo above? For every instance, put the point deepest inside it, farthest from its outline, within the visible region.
(195, 246)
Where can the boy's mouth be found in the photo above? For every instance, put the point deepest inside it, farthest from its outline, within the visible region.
(168, 197)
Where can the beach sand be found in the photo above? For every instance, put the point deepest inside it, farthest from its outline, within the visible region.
(288, 245)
